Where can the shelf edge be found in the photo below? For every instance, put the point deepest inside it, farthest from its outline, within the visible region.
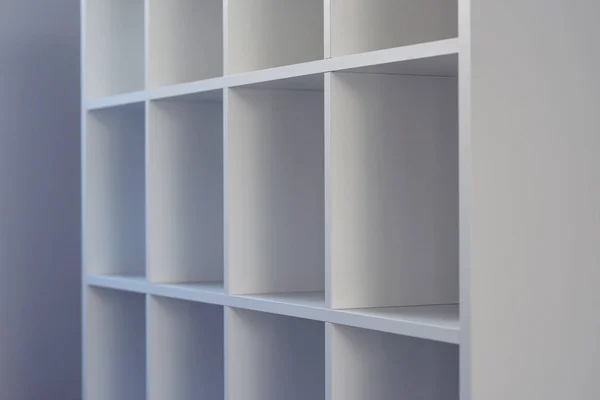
(117, 282)
(394, 55)
(116, 101)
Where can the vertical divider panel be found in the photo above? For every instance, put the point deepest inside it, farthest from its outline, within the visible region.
(327, 180)
(83, 146)
(147, 27)
(226, 167)
(329, 395)
(147, 203)
(466, 196)
(225, 43)
(227, 355)
(148, 345)
(327, 28)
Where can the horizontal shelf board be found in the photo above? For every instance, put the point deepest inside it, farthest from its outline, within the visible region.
(286, 73)
(304, 82)
(116, 101)
(419, 59)
(433, 58)
(305, 299)
(202, 292)
(446, 65)
(137, 284)
(437, 322)
(308, 305)
(205, 90)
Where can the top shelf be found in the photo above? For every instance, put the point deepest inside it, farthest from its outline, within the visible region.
(138, 46)
(438, 58)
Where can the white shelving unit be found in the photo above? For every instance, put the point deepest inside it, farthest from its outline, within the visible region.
(271, 199)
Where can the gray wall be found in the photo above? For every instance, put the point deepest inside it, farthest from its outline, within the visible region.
(39, 200)
(536, 200)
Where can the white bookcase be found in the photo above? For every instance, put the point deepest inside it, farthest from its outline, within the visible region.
(271, 200)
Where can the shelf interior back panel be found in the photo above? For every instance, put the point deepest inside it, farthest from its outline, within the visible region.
(115, 192)
(185, 347)
(359, 26)
(272, 33)
(368, 365)
(115, 352)
(185, 41)
(275, 191)
(393, 201)
(115, 47)
(272, 357)
(185, 178)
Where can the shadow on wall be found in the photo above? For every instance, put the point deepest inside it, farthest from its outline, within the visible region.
(40, 207)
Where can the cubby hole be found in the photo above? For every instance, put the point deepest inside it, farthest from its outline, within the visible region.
(115, 192)
(114, 47)
(185, 187)
(272, 33)
(185, 41)
(275, 192)
(393, 190)
(186, 356)
(273, 357)
(371, 365)
(115, 340)
(359, 26)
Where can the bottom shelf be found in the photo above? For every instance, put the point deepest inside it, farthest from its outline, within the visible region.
(141, 346)
(435, 322)
(115, 352)
(370, 365)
